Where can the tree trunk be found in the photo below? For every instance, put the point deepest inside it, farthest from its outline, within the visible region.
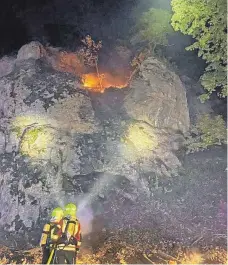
(98, 75)
(153, 48)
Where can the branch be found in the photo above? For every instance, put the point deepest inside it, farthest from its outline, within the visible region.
(137, 61)
(146, 257)
(167, 256)
(23, 134)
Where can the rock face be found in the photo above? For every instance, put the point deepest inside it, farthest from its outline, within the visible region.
(57, 142)
(158, 97)
(6, 66)
(32, 50)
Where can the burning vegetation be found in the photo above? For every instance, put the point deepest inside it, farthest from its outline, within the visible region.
(98, 81)
(85, 65)
(94, 83)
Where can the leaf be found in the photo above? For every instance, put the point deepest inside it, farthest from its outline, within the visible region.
(205, 21)
(154, 26)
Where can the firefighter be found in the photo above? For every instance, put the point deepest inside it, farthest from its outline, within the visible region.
(72, 232)
(51, 234)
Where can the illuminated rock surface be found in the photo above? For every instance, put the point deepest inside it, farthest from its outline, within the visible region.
(158, 97)
(117, 153)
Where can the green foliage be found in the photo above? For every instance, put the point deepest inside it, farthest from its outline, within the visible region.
(154, 26)
(205, 21)
(207, 132)
(32, 135)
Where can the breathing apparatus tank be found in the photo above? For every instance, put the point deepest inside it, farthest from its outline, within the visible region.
(71, 227)
(45, 233)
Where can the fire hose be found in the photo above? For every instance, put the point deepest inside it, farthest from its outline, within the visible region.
(53, 251)
(51, 256)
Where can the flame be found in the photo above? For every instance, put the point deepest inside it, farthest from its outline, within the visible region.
(72, 63)
(92, 82)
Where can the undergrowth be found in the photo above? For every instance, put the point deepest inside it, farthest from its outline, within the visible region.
(207, 131)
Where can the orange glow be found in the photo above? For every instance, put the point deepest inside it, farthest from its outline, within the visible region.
(91, 81)
(70, 63)
(193, 258)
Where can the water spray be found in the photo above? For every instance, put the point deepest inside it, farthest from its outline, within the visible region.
(84, 203)
(85, 212)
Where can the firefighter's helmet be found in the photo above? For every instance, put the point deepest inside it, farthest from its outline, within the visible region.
(57, 214)
(70, 209)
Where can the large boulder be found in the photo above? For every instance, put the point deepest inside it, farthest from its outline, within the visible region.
(156, 105)
(158, 97)
(58, 142)
(33, 50)
(43, 114)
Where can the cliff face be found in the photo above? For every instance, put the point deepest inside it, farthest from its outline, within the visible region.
(158, 97)
(59, 142)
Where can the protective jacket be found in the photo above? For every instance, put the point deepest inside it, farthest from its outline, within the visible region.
(72, 232)
(52, 232)
(65, 235)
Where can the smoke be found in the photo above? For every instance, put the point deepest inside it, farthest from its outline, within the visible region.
(86, 217)
(86, 204)
(85, 213)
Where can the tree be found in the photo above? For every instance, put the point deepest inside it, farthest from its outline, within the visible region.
(154, 26)
(89, 54)
(205, 21)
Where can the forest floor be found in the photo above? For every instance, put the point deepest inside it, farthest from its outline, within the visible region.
(119, 252)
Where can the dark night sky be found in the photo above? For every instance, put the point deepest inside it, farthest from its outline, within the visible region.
(62, 22)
